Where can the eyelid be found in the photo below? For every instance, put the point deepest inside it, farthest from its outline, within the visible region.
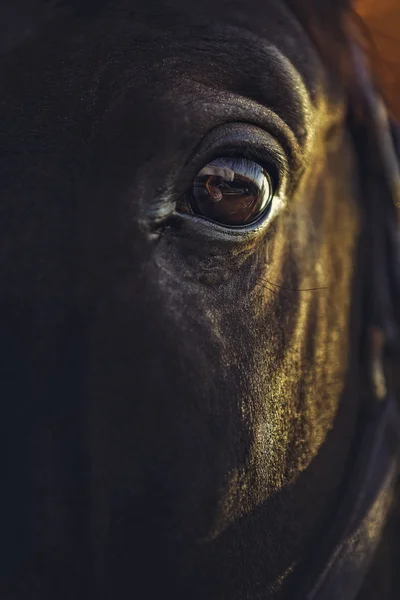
(240, 140)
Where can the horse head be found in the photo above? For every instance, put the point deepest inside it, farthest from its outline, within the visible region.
(191, 277)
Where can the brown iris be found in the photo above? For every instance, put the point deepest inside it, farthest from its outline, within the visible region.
(231, 191)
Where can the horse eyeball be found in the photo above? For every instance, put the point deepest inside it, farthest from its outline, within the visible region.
(231, 191)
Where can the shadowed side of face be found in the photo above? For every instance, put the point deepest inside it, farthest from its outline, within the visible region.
(167, 380)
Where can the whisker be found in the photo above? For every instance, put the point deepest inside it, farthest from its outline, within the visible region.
(314, 289)
(267, 283)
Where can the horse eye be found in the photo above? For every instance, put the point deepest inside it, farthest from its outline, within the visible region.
(231, 191)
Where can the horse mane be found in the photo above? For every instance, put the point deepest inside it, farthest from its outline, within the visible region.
(326, 24)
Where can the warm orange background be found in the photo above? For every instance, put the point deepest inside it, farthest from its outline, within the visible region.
(382, 18)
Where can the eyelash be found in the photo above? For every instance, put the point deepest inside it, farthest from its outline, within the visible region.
(275, 165)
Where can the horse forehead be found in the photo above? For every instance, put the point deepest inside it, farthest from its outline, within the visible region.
(186, 85)
(222, 44)
(242, 28)
(175, 70)
(154, 46)
(271, 21)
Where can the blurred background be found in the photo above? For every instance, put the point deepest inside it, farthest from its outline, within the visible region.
(381, 19)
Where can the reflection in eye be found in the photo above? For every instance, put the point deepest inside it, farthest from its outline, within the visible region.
(231, 191)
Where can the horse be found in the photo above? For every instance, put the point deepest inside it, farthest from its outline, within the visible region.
(200, 307)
